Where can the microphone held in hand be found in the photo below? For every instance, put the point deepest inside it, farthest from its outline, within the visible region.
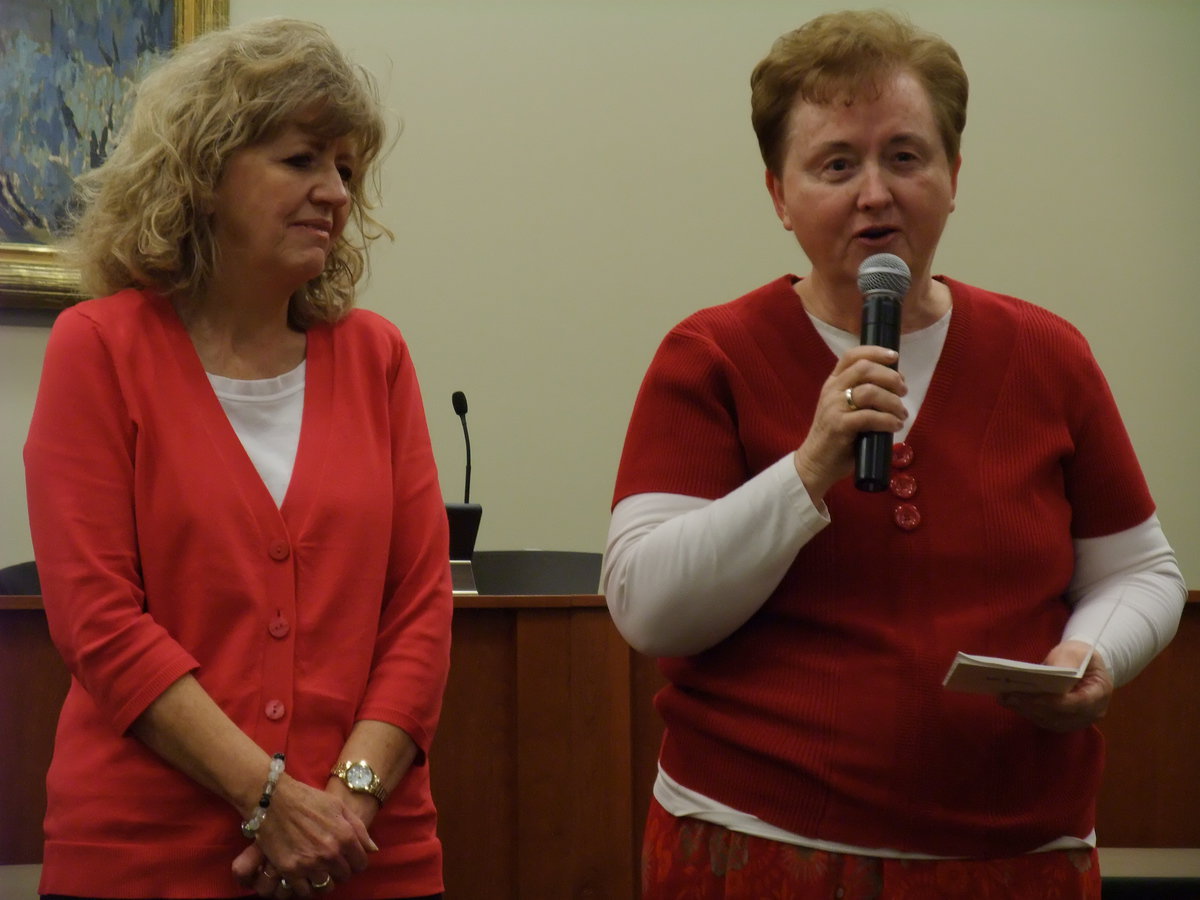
(459, 399)
(883, 280)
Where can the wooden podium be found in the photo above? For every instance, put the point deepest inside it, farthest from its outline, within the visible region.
(545, 756)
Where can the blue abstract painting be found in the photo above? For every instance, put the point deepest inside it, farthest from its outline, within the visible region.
(66, 69)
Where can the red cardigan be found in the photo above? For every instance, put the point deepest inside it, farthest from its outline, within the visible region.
(824, 714)
(161, 552)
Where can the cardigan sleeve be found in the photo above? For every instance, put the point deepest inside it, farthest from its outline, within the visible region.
(682, 436)
(1103, 480)
(412, 650)
(79, 467)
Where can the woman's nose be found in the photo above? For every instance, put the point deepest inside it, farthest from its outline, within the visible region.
(331, 187)
(874, 190)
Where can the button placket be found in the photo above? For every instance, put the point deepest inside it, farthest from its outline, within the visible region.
(903, 485)
(280, 623)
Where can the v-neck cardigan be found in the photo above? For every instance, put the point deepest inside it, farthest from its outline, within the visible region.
(161, 552)
(824, 714)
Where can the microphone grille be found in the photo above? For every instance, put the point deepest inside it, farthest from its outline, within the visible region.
(884, 273)
(459, 399)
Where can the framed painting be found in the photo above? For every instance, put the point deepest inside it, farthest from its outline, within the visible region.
(66, 67)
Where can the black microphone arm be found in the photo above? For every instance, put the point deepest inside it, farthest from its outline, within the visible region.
(459, 399)
(883, 280)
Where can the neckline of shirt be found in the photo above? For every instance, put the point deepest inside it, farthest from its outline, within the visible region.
(273, 388)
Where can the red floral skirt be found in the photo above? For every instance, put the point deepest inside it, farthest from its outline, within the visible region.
(686, 859)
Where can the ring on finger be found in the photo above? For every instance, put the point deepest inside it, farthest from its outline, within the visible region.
(850, 404)
(324, 884)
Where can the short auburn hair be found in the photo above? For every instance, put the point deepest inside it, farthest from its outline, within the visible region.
(844, 55)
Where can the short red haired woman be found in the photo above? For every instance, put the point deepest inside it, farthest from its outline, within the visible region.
(805, 627)
(234, 505)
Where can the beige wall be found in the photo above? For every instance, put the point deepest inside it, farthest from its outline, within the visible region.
(575, 177)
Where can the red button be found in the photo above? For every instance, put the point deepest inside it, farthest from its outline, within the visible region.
(902, 455)
(907, 516)
(903, 485)
(279, 550)
(279, 627)
(275, 710)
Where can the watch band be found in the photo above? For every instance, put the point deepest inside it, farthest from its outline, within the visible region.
(362, 780)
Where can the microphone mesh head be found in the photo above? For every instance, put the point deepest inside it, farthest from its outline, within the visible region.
(884, 273)
(459, 399)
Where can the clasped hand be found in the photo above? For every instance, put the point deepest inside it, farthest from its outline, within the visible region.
(309, 840)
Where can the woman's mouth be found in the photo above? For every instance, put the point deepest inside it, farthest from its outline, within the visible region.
(324, 229)
(876, 233)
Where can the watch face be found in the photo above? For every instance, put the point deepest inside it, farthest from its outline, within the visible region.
(359, 776)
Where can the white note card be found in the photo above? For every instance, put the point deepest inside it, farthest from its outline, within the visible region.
(991, 675)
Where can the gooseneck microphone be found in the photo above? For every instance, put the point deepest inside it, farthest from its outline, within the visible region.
(459, 399)
(883, 280)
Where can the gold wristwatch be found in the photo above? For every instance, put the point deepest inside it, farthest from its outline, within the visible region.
(360, 778)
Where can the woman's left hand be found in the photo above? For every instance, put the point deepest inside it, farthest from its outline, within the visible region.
(1081, 706)
(253, 869)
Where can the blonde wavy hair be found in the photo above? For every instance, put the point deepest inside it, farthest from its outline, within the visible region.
(141, 219)
(841, 55)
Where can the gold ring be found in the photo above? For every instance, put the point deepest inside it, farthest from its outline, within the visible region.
(324, 884)
(850, 404)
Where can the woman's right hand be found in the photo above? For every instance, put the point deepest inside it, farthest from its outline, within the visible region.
(307, 837)
(827, 454)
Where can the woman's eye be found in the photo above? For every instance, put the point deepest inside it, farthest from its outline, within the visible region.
(299, 160)
(346, 172)
(837, 168)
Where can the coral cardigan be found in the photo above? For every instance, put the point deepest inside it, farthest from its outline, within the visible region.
(824, 714)
(161, 553)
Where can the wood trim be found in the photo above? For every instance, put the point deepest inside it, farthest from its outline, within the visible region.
(20, 601)
(550, 601)
(466, 601)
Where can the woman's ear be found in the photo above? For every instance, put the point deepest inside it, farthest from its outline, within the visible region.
(775, 189)
(954, 167)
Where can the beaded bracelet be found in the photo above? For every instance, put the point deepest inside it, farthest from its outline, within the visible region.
(251, 825)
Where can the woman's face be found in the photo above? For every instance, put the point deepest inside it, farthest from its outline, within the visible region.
(866, 177)
(280, 206)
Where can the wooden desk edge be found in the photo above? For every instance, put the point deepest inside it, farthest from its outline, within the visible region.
(463, 601)
(1150, 862)
(20, 601)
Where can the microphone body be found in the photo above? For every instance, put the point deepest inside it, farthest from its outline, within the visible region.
(463, 518)
(883, 279)
(459, 399)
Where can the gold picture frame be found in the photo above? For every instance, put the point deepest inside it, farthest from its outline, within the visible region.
(34, 276)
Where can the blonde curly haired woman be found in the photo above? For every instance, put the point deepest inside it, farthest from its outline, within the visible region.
(234, 505)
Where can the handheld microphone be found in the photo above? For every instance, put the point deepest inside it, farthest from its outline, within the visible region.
(883, 280)
(459, 399)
